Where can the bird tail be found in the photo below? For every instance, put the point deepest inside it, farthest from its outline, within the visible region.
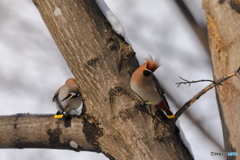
(163, 107)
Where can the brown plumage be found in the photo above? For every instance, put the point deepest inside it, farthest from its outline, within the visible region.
(147, 88)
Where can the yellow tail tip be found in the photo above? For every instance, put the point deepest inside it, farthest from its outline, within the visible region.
(171, 116)
(58, 116)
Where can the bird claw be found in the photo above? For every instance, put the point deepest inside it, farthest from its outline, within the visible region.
(141, 103)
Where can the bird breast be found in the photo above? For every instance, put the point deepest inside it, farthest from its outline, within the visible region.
(147, 93)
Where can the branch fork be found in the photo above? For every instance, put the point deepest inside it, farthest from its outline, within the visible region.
(202, 92)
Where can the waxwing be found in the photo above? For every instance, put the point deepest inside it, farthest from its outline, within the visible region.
(147, 88)
(67, 98)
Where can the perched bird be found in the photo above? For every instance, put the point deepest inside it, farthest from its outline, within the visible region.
(67, 98)
(147, 88)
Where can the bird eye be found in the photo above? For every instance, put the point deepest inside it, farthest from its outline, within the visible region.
(147, 73)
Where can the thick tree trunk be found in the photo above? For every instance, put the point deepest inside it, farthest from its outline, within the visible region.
(223, 18)
(102, 62)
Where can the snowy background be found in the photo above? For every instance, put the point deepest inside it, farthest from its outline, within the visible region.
(32, 68)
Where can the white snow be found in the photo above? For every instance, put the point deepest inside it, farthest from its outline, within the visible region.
(57, 12)
(183, 138)
(112, 19)
(73, 144)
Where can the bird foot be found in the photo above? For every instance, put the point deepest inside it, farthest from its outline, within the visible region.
(141, 103)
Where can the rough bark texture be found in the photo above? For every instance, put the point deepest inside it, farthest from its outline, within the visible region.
(223, 19)
(103, 63)
(38, 131)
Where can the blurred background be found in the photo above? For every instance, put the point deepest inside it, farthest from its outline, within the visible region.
(32, 68)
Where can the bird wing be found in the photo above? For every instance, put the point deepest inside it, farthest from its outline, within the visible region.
(56, 99)
(55, 96)
(160, 90)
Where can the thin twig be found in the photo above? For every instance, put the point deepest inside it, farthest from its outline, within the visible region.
(190, 82)
(202, 92)
(193, 120)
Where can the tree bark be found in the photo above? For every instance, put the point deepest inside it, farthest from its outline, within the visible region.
(42, 131)
(223, 19)
(102, 62)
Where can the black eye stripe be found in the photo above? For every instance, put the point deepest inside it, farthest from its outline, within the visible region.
(147, 67)
(147, 72)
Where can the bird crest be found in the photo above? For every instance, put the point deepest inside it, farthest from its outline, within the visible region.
(152, 64)
(71, 80)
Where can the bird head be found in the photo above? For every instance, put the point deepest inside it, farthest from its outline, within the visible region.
(149, 67)
(71, 80)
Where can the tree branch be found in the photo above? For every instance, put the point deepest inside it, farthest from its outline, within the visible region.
(193, 120)
(190, 82)
(43, 131)
(202, 92)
